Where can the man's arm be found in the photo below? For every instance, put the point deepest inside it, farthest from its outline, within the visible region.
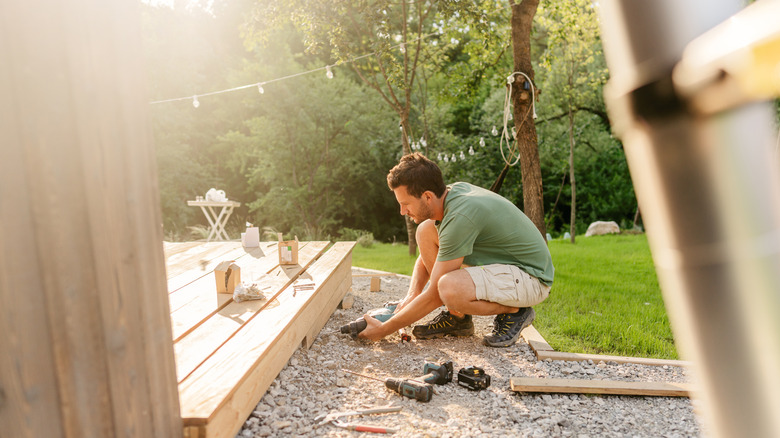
(420, 277)
(415, 310)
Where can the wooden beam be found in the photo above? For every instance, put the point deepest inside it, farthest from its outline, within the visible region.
(558, 355)
(573, 386)
(544, 351)
(86, 345)
(535, 340)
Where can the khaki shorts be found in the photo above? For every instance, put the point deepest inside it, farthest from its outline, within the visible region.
(508, 285)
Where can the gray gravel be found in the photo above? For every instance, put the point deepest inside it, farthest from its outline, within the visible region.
(312, 384)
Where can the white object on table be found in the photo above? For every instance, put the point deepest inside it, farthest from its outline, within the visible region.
(216, 220)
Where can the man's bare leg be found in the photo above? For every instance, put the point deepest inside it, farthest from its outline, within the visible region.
(428, 243)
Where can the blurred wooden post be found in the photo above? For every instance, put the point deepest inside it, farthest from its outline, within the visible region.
(85, 336)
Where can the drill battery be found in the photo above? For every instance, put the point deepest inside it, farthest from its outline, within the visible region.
(473, 378)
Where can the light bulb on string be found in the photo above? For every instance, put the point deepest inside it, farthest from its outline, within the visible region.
(514, 132)
(403, 47)
(462, 155)
(494, 131)
(511, 116)
(328, 72)
(446, 159)
(438, 157)
(260, 89)
(453, 158)
(423, 142)
(482, 142)
(195, 102)
(471, 150)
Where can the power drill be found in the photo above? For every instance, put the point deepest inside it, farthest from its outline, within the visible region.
(383, 314)
(437, 374)
(408, 388)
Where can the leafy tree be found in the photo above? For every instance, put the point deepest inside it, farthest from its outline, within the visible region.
(575, 69)
(306, 159)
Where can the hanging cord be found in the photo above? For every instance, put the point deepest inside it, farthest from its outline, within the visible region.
(507, 108)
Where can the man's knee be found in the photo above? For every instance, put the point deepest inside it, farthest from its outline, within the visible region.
(426, 232)
(454, 289)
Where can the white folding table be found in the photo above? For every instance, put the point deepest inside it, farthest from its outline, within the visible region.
(216, 220)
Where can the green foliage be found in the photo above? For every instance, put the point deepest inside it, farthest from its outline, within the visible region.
(310, 155)
(362, 237)
(311, 175)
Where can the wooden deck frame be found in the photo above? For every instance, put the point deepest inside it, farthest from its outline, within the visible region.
(227, 360)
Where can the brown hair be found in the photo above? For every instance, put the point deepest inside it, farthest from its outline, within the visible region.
(418, 174)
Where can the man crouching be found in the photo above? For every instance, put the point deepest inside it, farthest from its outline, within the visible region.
(479, 255)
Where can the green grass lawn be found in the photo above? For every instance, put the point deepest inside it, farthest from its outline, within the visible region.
(605, 298)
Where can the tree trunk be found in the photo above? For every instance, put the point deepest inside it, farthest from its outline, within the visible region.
(572, 219)
(527, 142)
(407, 149)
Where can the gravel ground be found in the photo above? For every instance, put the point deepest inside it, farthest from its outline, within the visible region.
(312, 384)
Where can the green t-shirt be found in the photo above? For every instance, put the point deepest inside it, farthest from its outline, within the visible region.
(485, 228)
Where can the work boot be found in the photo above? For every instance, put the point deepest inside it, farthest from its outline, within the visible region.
(445, 324)
(507, 327)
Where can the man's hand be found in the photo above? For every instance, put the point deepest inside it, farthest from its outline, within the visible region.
(373, 330)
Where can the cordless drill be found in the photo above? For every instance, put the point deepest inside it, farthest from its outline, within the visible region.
(383, 314)
(437, 374)
(406, 387)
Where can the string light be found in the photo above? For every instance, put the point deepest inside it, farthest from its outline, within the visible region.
(327, 68)
(453, 158)
(438, 157)
(446, 159)
(482, 142)
(471, 150)
(494, 131)
(403, 47)
(462, 155)
(195, 102)
(260, 88)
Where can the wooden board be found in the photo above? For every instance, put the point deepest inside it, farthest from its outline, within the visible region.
(85, 347)
(205, 266)
(535, 340)
(543, 351)
(559, 355)
(188, 260)
(572, 386)
(230, 357)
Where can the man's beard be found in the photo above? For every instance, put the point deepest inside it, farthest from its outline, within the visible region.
(424, 214)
